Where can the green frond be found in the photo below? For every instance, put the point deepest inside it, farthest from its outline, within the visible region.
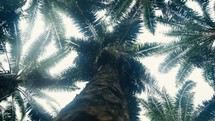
(53, 60)
(54, 22)
(184, 101)
(83, 15)
(36, 113)
(119, 9)
(14, 41)
(184, 71)
(168, 104)
(206, 112)
(72, 75)
(34, 110)
(125, 32)
(32, 12)
(154, 109)
(146, 49)
(37, 49)
(172, 60)
(208, 74)
(149, 15)
(182, 12)
(204, 4)
(49, 100)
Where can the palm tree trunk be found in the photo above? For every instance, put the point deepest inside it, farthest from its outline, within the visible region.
(101, 100)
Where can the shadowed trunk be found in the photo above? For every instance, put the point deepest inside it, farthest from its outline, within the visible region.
(101, 100)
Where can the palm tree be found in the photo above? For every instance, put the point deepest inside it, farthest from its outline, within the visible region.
(195, 47)
(109, 61)
(162, 107)
(25, 77)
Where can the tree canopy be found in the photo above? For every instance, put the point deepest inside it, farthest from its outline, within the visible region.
(108, 58)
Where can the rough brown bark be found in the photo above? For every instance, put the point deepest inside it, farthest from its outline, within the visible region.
(101, 100)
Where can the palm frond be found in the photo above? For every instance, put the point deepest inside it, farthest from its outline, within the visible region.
(34, 110)
(119, 9)
(154, 109)
(50, 101)
(149, 15)
(184, 101)
(32, 12)
(168, 104)
(206, 111)
(133, 107)
(172, 60)
(82, 13)
(54, 22)
(183, 72)
(70, 76)
(146, 49)
(208, 74)
(204, 4)
(37, 50)
(125, 32)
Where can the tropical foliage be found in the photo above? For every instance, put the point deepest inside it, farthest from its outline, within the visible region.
(195, 44)
(160, 106)
(23, 75)
(108, 58)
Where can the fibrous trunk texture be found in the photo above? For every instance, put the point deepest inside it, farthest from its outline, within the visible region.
(101, 100)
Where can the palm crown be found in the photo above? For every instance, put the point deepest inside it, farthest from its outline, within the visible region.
(196, 39)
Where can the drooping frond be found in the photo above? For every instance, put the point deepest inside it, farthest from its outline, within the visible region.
(172, 60)
(153, 108)
(37, 50)
(83, 14)
(149, 15)
(204, 4)
(51, 102)
(184, 101)
(54, 22)
(33, 109)
(183, 72)
(30, 17)
(168, 104)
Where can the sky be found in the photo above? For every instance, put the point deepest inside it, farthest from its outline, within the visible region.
(167, 80)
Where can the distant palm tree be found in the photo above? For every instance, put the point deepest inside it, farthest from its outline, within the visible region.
(162, 107)
(25, 76)
(195, 47)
